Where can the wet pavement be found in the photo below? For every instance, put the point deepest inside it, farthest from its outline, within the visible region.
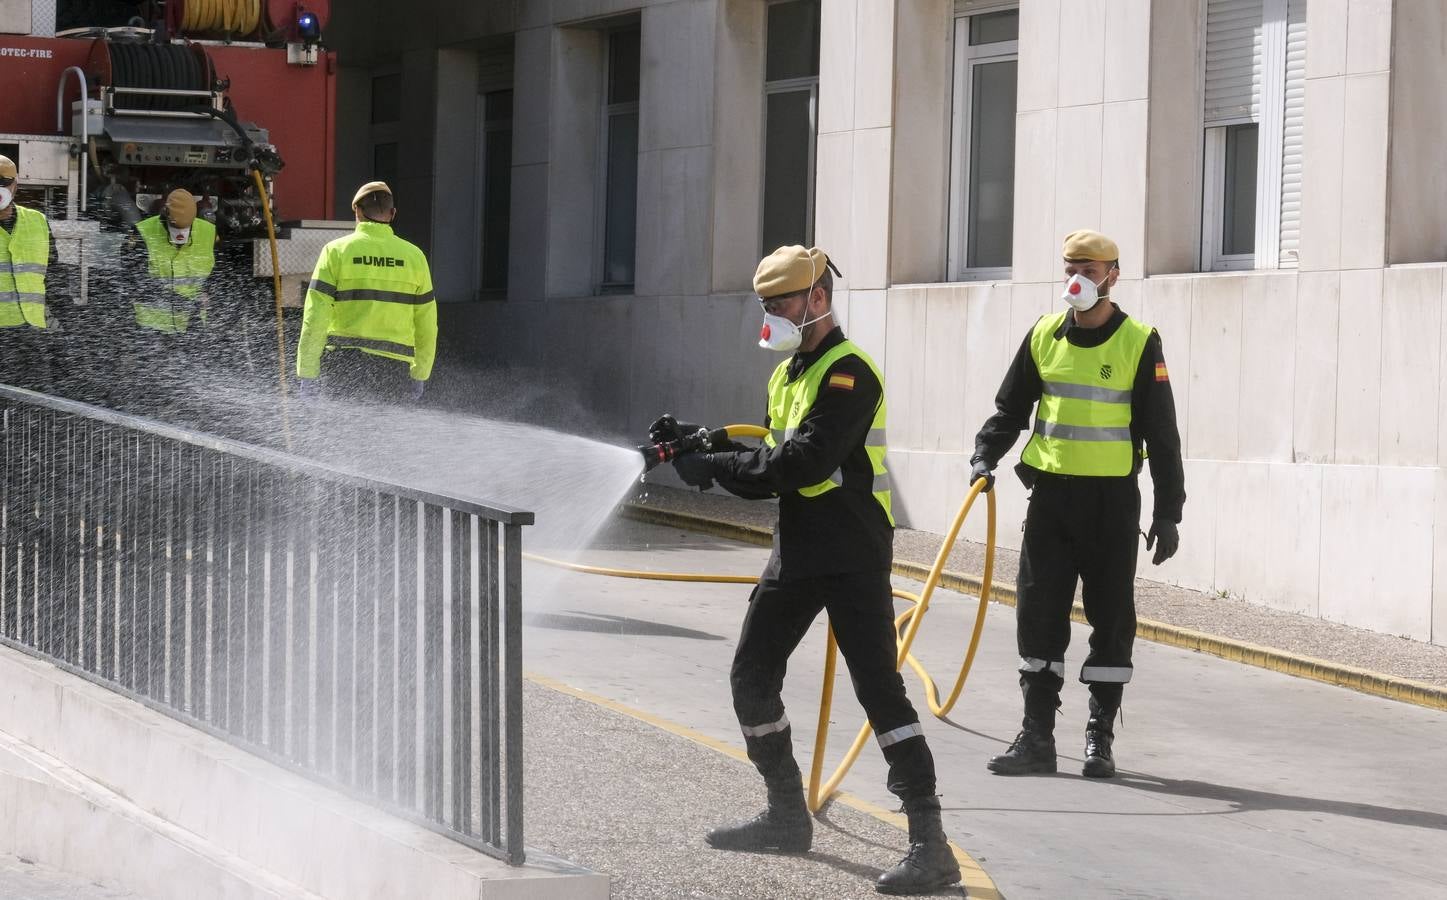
(1235, 781)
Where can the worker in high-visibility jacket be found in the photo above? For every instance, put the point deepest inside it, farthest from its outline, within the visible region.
(1098, 382)
(180, 256)
(369, 329)
(26, 253)
(833, 549)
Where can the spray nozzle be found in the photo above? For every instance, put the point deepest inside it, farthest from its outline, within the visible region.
(700, 441)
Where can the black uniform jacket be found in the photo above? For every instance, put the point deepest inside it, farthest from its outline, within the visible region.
(842, 531)
(1152, 412)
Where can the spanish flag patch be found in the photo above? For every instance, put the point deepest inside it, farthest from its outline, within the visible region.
(1161, 374)
(841, 381)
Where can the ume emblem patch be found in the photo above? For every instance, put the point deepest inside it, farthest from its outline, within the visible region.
(841, 382)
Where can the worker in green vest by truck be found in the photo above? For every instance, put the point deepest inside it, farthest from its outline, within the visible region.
(180, 256)
(1098, 383)
(369, 329)
(26, 252)
(160, 313)
(824, 459)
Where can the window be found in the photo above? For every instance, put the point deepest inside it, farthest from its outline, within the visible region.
(982, 162)
(620, 160)
(791, 114)
(495, 177)
(386, 119)
(387, 98)
(384, 162)
(1255, 87)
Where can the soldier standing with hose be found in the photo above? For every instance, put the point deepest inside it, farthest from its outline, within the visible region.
(1104, 406)
(833, 548)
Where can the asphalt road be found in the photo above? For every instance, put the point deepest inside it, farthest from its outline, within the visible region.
(1235, 782)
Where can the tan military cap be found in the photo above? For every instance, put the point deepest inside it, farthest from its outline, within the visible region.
(7, 168)
(1087, 244)
(370, 187)
(181, 208)
(789, 270)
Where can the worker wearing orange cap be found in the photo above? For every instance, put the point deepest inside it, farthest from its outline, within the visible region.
(369, 329)
(1098, 383)
(26, 253)
(180, 256)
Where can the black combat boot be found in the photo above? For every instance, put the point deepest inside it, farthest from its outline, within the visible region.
(1031, 753)
(785, 826)
(1099, 732)
(930, 864)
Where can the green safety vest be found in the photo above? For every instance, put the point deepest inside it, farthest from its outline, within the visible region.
(1082, 423)
(24, 255)
(790, 402)
(370, 291)
(179, 271)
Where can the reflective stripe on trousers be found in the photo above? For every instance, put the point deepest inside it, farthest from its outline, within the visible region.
(902, 733)
(1106, 674)
(1031, 664)
(767, 728)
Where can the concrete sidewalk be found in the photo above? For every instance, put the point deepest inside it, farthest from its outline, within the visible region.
(1385, 665)
(1235, 781)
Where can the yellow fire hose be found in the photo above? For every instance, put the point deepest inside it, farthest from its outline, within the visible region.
(276, 297)
(910, 620)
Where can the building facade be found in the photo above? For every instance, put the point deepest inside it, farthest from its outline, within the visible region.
(595, 180)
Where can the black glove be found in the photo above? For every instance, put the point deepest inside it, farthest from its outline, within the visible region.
(981, 469)
(1164, 531)
(696, 469)
(666, 428)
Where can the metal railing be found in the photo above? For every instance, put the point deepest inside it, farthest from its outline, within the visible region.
(362, 633)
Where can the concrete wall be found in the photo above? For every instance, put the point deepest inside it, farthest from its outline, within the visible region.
(100, 785)
(1313, 431)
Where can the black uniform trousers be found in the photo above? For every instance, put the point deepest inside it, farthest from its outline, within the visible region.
(861, 612)
(350, 374)
(1077, 528)
(26, 357)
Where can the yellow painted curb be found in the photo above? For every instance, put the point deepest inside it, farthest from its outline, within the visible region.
(977, 881)
(1377, 684)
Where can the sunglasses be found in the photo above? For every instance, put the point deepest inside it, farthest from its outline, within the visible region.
(775, 305)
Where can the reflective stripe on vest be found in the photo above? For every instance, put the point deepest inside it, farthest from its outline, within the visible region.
(179, 271)
(790, 402)
(388, 349)
(1082, 424)
(24, 257)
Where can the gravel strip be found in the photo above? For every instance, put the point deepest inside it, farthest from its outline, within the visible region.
(1182, 607)
(616, 795)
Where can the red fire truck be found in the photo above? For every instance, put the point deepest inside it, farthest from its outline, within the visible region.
(102, 120)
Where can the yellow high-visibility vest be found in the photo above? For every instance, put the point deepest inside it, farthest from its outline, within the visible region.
(370, 291)
(1082, 423)
(24, 256)
(790, 402)
(180, 271)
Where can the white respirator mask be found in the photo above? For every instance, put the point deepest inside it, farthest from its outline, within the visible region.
(1081, 293)
(782, 334)
(179, 236)
(6, 196)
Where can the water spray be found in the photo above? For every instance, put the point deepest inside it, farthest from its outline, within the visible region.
(906, 624)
